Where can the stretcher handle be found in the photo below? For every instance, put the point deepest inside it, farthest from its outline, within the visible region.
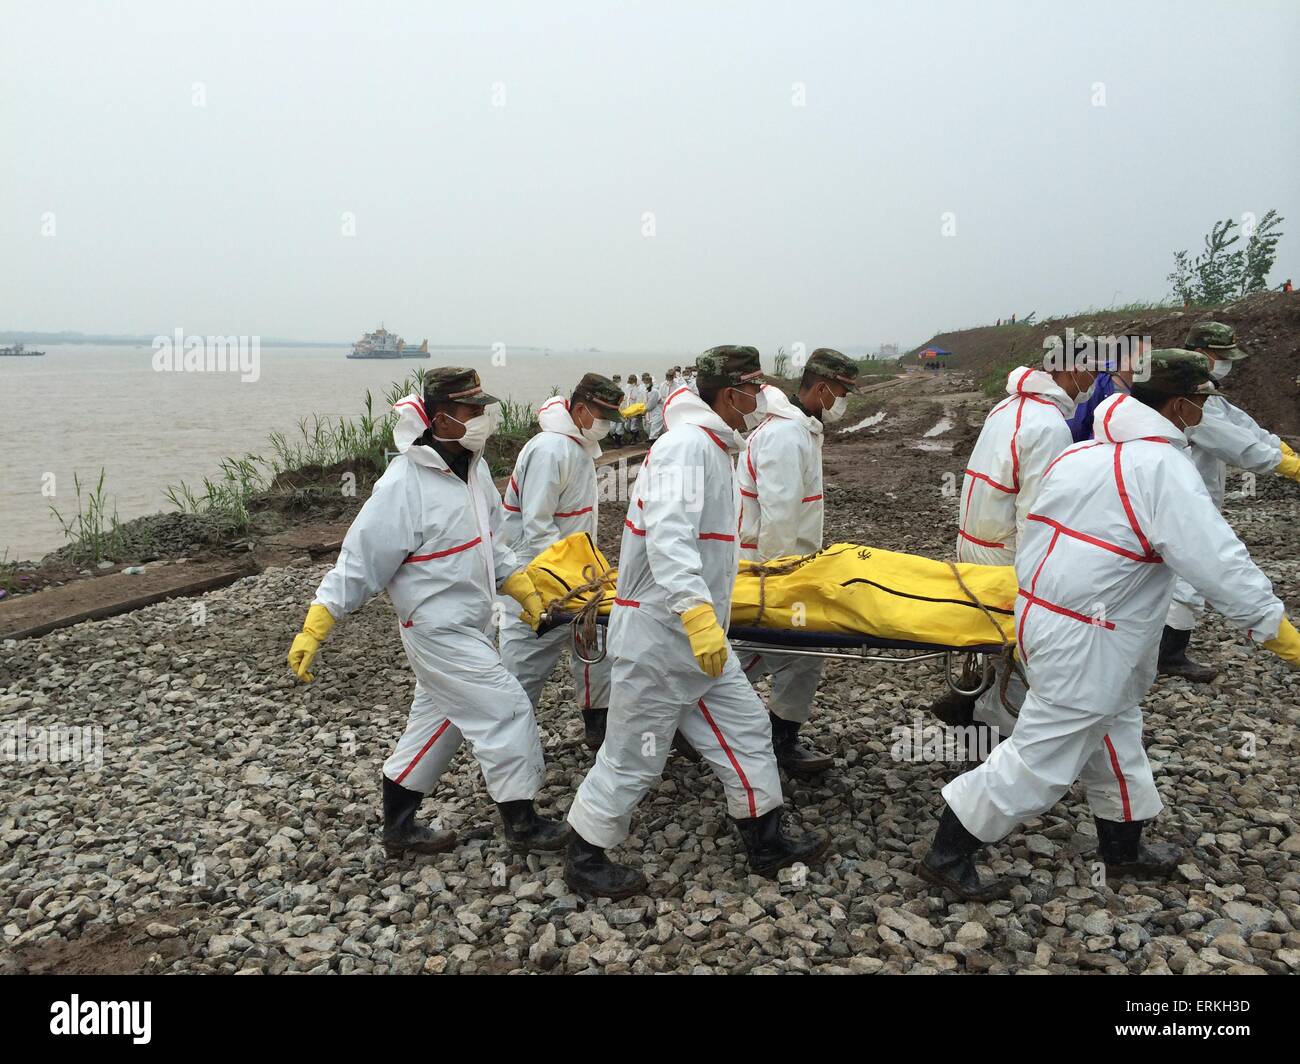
(554, 617)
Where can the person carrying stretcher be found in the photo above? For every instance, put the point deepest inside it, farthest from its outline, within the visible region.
(782, 513)
(672, 667)
(1115, 522)
(1020, 438)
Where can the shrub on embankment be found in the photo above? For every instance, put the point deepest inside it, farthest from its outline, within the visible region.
(1267, 324)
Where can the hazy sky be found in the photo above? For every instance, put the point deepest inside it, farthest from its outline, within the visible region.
(499, 160)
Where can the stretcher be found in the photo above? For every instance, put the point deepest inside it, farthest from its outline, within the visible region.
(969, 670)
(846, 603)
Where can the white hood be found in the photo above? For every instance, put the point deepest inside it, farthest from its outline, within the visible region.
(553, 416)
(1024, 380)
(1120, 417)
(411, 424)
(684, 407)
(411, 421)
(779, 405)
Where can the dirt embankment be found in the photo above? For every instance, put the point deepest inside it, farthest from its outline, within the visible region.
(1267, 324)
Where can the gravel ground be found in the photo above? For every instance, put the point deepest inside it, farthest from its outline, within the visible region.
(233, 826)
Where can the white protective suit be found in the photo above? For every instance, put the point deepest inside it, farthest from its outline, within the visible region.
(679, 550)
(618, 429)
(551, 494)
(1020, 437)
(633, 393)
(436, 545)
(782, 513)
(1115, 519)
(654, 409)
(1226, 436)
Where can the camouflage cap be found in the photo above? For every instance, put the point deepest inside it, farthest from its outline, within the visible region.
(728, 365)
(602, 394)
(1216, 337)
(1173, 371)
(455, 384)
(834, 366)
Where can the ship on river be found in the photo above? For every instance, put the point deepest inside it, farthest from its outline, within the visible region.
(384, 344)
(17, 351)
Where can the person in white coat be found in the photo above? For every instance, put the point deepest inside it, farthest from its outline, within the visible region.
(552, 494)
(633, 392)
(1226, 436)
(782, 513)
(618, 431)
(1115, 521)
(673, 669)
(1020, 438)
(431, 535)
(654, 406)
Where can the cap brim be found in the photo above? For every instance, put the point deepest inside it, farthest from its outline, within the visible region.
(610, 413)
(482, 399)
(1232, 354)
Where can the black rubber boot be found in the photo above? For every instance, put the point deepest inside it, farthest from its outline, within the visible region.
(793, 756)
(950, 863)
(954, 709)
(527, 831)
(771, 848)
(682, 745)
(593, 727)
(589, 872)
(1120, 846)
(401, 833)
(1175, 662)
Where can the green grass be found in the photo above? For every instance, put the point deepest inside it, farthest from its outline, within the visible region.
(320, 443)
(8, 573)
(94, 531)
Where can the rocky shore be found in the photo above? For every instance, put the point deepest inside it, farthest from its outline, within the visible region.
(232, 825)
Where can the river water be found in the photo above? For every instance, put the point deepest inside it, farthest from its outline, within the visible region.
(86, 407)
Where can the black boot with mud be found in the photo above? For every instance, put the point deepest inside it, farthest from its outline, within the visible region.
(954, 709)
(950, 863)
(529, 832)
(1175, 662)
(791, 754)
(590, 873)
(401, 833)
(1120, 846)
(683, 746)
(770, 847)
(593, 727)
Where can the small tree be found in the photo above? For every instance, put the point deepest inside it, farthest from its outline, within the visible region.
(1261, 253)
(1221, 273)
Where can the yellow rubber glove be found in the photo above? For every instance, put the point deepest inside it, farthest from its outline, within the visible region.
(305, 644)
(1286, 645)
(519, 586)
(708, 640)
(1290, 464)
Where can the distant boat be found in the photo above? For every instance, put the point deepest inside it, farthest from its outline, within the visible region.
(18, 351)
(383, 344)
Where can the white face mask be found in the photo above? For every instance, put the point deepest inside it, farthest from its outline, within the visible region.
(755, 416)
(597, 431)
(1219, 368)
(477, 431)
(1188, 430)
(836, 410)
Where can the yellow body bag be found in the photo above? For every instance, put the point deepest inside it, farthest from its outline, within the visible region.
(843, 588)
